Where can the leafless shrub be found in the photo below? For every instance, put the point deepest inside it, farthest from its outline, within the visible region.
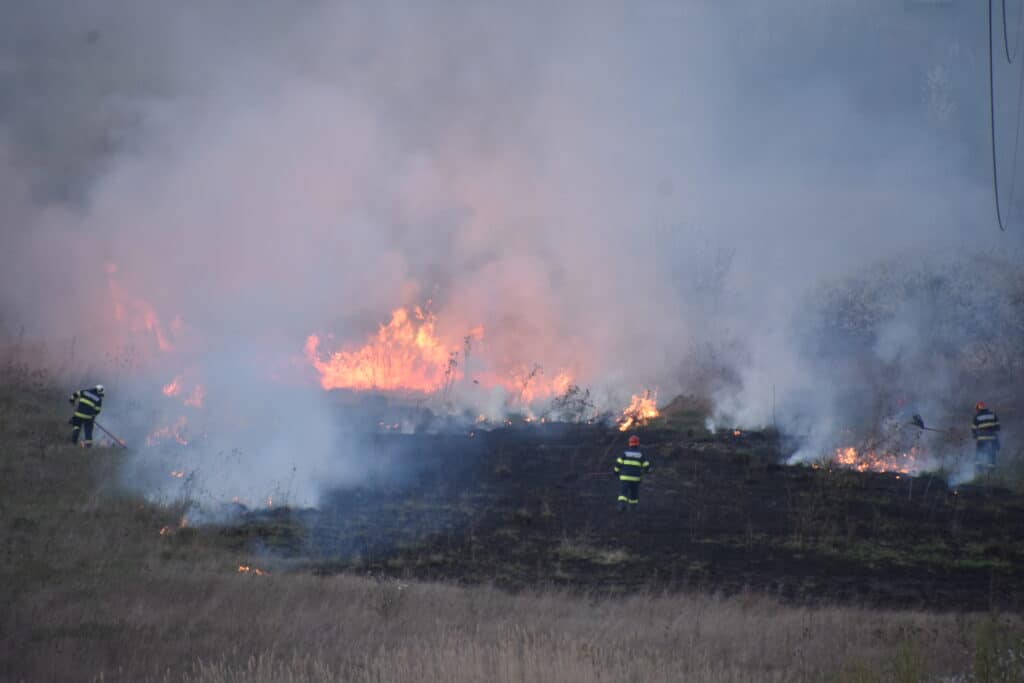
(574, 405)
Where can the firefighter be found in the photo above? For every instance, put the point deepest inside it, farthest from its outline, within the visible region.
(88, 404)
(985, 429)
(631, 467)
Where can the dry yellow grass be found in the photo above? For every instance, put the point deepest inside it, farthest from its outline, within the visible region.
(92, 591)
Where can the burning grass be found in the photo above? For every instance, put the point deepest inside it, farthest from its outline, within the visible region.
(408, 356)
(910, 462)
(91, 587)
(640, 411)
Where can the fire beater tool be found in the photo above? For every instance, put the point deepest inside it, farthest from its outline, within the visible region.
(103, 429)
(917, 421)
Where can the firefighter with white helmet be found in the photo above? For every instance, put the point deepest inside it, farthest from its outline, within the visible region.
(88, 404)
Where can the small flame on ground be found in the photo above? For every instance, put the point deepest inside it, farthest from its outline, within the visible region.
(174, 431)
(248, 569)
(873, 461)
(737, 432)
(197, 397)
(170, 529)
(178, 474)
(640, 411)
(173, 388)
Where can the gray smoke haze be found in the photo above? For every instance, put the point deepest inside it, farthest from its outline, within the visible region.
(645, 194)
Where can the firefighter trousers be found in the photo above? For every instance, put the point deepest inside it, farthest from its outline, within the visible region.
(80, 424)
(985, 453)
(629, 494)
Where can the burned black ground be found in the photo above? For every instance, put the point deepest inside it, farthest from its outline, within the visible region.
(536, 506)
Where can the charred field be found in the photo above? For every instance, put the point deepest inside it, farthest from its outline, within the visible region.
(534, 506)
(500, 557)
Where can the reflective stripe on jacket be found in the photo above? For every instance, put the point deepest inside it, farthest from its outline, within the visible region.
(87, 404)
(985, 426)
(631, 466)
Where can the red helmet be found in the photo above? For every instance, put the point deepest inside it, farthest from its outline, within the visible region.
(634, 441)
(980, 405)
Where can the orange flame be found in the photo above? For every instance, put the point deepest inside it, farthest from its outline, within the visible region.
(405, 355)
(640, 411)
(530, 385)
(872, 461)
(174, 431)
(197, 397)
(525, 385)
(138, 313)
(247, 569)
(173, 388)
(167, 530)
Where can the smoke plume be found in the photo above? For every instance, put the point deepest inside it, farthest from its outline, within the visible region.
(656, 195)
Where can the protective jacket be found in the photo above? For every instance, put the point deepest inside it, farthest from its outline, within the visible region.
(632, 466)
(88, 404)
(985, 426)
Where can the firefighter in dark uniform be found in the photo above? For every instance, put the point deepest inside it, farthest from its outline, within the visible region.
(631, 467)
(985, 429)
(88, 404)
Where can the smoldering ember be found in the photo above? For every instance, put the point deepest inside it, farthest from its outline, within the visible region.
(462, 341)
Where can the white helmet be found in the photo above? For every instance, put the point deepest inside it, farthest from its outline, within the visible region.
(98, 389)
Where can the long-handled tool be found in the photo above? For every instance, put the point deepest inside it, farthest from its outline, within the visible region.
(917, 421)
(103, 429)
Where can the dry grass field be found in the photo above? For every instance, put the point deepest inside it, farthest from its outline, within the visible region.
(91, 590)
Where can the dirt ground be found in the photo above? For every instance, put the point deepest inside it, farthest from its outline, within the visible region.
(536, 506)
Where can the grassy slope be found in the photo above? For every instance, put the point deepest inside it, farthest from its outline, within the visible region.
(89, 586)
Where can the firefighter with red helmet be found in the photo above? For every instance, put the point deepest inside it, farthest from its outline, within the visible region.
(985, 429)
(631, 467)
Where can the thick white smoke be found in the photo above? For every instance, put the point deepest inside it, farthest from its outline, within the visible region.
(646, 195)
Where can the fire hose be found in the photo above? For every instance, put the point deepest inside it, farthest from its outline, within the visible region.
(103, 429)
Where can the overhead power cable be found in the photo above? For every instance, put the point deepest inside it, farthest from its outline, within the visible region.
(992, 109)
(1006, 34)
(1016, 144)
